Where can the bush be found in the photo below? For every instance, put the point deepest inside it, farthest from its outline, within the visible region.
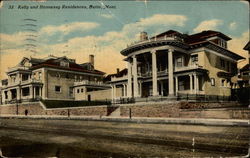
(66, 103)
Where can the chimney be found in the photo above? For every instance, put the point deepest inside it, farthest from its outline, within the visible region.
(117, 70)
(91, 59)
(143, 36)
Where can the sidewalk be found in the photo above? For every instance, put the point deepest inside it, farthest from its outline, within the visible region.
(154, 120)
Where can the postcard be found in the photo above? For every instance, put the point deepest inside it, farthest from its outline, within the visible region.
(146, 78)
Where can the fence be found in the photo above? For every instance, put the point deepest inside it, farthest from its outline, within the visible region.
(180, 97)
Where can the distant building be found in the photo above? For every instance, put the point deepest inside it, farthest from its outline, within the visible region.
(55, 78)
(244, 77)
(172, 64)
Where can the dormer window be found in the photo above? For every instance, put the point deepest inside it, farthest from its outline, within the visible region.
(222, 43)
(64, 64)
(219, 41)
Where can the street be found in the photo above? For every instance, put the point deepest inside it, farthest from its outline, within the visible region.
(77, 138)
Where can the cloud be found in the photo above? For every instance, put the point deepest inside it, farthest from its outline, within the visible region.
(105, 47)
(107, 16)
(11, 41)
(157, 21)
(208, 25)
(164, 19)
(70, 27)
(232, 26)
(237, 44)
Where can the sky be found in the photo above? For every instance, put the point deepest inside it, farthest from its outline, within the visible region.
(28, 29)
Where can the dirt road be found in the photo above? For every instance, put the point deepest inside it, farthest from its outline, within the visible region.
(75, 138)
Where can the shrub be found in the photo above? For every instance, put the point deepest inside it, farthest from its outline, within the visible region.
(67, 103)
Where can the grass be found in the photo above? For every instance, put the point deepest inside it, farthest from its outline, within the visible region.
(66, 103)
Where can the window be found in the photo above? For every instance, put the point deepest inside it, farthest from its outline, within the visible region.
(222, 43)
(58, 88)
(26, 91)
(64, 64)
(78, 90)
(212, 82)
(179, 61)
(6, 94)
(222, 63)
(223, 83)
(228, 66)
(25, 77)
(39, 75)
(181, 85)
(71, 91)
(194, 59)
(82, 90)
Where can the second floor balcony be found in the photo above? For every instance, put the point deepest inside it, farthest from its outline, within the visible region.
(21, 82)
(90, 83)
(165, 72)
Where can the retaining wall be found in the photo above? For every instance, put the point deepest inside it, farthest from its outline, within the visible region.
(154, 109)
(37, 109)
(79, 111)
(151, 110)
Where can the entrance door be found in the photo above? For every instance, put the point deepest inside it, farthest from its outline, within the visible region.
(89, 97)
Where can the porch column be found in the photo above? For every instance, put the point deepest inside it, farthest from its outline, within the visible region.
(129, 87)
(161, 88)
(18, 97)
(40, 91)
(124, 90)
(196, 86)
(31, 92)
(135, 76)
(140, 92)
(34, 91)
(202, 83)
(3, 96)
(154, 73)
(170, 73)
(191, 84)
(176, 85)
(21, 92)
(9, 95)
(114, 92)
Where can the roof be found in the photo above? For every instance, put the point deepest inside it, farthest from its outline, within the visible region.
(186, 42)
(119, 74)
(55, 63)
(247, 47)
(245, 68)
(202, 36)
(215, 47)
